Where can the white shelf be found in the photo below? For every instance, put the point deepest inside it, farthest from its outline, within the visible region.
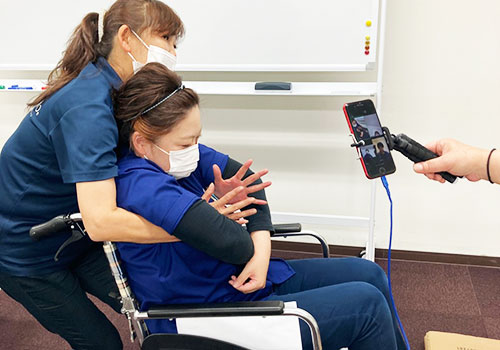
(226, 67)
(298, 89)
(273, 139)
(28, 67)
(35, 85)
(274, 67)
(318, 219)
(240, 88)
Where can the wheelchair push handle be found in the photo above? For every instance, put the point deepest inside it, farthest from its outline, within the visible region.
(287, 228)
(54, 226)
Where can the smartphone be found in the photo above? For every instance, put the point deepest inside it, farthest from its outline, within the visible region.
(365, 126)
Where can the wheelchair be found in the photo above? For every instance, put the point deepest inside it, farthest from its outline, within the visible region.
(136, 318)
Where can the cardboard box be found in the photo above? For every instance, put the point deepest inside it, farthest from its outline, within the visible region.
(452, 341)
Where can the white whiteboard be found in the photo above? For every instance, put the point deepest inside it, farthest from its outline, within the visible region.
(34, 32)
(221, 35)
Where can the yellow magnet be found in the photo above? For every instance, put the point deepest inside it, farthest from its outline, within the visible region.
(368, 23)
(367, 38)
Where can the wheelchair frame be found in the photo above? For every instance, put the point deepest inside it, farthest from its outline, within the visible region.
(136, 319)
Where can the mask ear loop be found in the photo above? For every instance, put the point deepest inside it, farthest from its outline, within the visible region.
(140, 39)
(132, 57)
(161, 149)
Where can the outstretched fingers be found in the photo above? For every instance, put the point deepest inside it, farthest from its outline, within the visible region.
(208, 193)
(243, 170)
(254, 177)
(258, 187)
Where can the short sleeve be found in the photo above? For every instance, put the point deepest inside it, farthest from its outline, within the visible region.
(84, 142)
(154, 195)
(209, 157)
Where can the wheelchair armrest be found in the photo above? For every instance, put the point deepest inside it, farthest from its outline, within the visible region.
(324, 245)
(243, 308)
(285, 228)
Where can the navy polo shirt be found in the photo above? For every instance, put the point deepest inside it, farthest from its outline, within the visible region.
(69, 138)
(176, 273)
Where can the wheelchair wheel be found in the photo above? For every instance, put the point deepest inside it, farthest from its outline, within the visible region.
(160, 341)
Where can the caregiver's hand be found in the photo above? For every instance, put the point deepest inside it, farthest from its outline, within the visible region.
(224, 186)
(456, 158)
(224, 207)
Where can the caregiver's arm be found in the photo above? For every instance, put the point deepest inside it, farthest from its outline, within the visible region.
(104, 221)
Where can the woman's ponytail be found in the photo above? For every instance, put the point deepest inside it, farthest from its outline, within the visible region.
(84, 45)
(81, 50)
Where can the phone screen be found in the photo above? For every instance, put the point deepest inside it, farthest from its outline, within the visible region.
(365, 126)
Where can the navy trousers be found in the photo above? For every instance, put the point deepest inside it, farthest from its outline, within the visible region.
(349, 298)
(60, 303)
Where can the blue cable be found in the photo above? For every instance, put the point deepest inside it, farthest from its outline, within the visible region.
(386, 186)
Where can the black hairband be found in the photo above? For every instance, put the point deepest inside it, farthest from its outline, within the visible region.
(181, 87)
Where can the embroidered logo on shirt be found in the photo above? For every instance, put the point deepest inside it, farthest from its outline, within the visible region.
(37, 109)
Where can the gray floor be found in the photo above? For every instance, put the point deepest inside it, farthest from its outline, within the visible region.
(429, 296)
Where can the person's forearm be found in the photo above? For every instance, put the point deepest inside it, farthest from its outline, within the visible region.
(119, 225)
(495, 167)
(104, 221)
(205, 229)
(262, 244)
(478, 158)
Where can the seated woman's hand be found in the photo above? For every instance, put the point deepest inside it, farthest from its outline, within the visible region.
(227, 206)
(222, 187)
(254, 275)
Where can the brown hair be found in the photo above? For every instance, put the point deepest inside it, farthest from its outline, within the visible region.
(148, 86)
(84, 45)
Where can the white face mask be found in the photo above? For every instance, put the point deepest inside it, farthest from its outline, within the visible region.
(155, 54)
(183, 162)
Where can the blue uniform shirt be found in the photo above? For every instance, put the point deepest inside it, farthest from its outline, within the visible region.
(69, 138)
(176, 273)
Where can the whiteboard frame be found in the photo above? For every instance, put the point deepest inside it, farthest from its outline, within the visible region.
(322, 67)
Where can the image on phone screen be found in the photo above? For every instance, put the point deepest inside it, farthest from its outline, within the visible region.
(376, 158)
(365, 126)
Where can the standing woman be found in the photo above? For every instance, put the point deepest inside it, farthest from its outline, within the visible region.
(61, 159)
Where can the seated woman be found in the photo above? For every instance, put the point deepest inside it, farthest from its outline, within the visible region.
(167, 177)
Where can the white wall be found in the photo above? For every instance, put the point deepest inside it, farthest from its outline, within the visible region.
(441, 78)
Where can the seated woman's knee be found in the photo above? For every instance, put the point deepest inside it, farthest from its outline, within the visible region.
(370, 298)
(372, 273)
